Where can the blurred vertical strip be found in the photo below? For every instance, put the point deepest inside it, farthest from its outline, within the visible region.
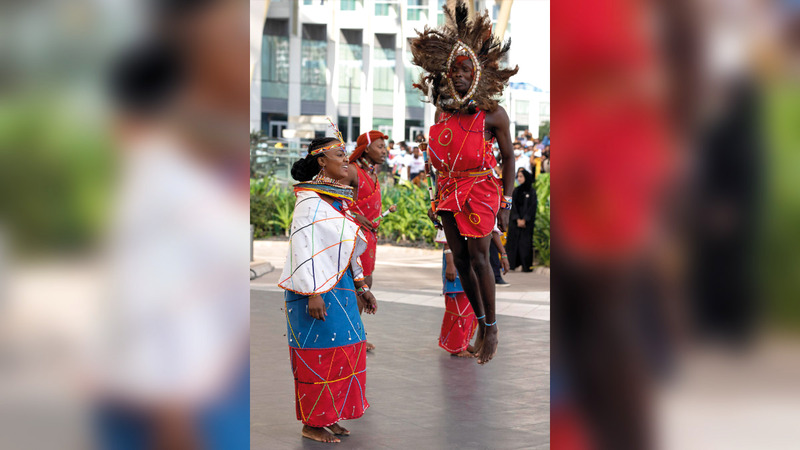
(675, 196)
(124, 309)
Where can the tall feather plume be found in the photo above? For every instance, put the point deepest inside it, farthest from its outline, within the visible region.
(431, 49)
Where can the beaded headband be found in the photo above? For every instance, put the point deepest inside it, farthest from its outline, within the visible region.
(462, 49)
(338, 135)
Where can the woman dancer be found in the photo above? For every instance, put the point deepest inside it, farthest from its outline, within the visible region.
(322, 278)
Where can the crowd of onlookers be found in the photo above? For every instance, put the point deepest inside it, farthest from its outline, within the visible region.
(406, 163)
(532, 154)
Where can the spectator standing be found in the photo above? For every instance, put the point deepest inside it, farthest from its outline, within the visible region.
(416, 164)
(520, 224)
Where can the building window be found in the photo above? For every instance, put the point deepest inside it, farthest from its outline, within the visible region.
(350, 65)
(314, 55)
(348, 5)
(417, 10)
(522, 106)
(440, 17)
(544, 109)
(383, 88)
(275, 59)
(382, 7)
(384, 126)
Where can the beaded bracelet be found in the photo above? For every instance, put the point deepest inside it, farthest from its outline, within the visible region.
(505, 204)
(362, 289)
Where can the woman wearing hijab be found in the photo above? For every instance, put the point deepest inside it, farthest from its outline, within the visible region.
(519, 244)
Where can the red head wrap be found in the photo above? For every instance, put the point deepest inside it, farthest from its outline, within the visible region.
(363, 142)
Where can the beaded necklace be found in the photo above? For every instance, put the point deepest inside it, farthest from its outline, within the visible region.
(369, 168)
(325, 185)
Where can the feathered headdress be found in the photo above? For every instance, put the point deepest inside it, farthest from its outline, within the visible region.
(435, 51)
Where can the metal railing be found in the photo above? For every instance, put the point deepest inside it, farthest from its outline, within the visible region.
(274, 158)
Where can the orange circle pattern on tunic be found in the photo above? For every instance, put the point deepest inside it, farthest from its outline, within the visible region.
(448, 134)
(474, 218)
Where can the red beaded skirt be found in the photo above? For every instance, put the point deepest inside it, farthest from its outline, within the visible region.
(329, 383)
(459, 323)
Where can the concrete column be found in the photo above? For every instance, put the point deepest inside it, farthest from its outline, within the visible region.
(258, 14)
(332, 95)
(367, 80)
(255, 98)
(399, 103)
(295, 60)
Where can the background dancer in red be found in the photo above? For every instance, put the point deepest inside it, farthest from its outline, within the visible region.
(459, 323)
(362, 175)
(463, 79)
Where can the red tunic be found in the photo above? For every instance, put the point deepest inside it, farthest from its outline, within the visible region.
(368, 204)
(457, 144)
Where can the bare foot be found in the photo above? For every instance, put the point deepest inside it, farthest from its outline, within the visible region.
(339, 430)
(464, 354)
(479, 336)
(370, 347)
(318, 434)
(489, 348)
(471, 349)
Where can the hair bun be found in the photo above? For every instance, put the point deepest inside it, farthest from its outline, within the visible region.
(305, 169)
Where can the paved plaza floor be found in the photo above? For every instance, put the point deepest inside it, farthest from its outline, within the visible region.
(420, 397)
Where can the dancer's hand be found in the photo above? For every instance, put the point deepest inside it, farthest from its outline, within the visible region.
(521, 223)
(364, 222)
(316, 307)
(370, 304)
(505, 264)
(502, 219)
(450, 272)
(432, 216)
(393, 208)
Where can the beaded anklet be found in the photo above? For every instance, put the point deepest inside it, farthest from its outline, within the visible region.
(490, 324)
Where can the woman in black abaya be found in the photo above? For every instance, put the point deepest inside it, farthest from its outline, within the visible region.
(520, 224)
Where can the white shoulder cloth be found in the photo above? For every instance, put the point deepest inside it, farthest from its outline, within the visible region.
(323, 244)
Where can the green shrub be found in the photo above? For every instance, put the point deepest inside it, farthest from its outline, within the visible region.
(410, 222)
(271, 208)
(541, 230)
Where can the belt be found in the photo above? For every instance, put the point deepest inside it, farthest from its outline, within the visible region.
(466, 173)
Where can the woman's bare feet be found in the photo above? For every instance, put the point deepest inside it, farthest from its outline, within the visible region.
(464, 354)
(339, 430)
(489, 348)
(318, 434)
(370, 347)
(471, 349)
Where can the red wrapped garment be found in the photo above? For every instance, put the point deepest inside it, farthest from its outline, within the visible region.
(459, 323)
(329, 385)
(368, 205)
(466, 184)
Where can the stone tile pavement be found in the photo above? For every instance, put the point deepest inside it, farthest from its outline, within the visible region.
(420, 396)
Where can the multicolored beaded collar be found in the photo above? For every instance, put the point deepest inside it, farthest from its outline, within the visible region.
(328, 186)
